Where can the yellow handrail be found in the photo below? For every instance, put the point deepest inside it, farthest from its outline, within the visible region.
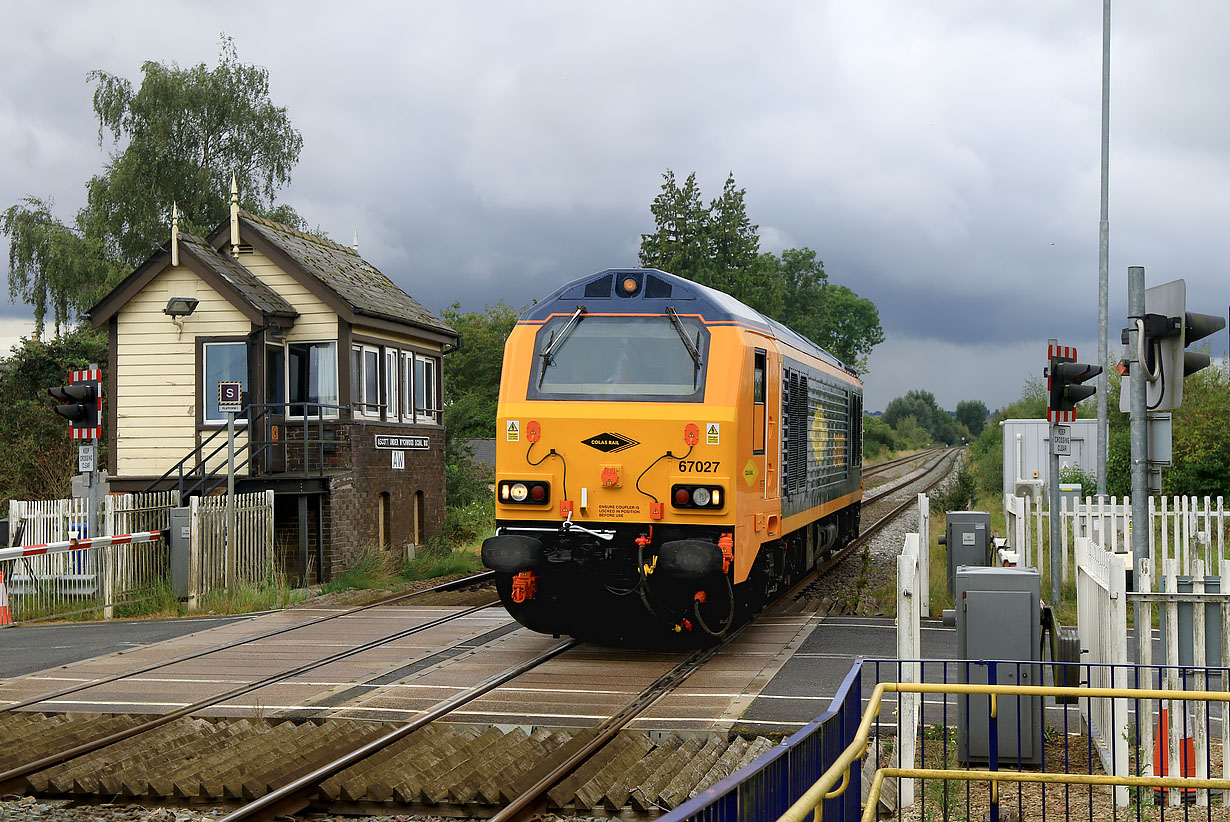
(813, 798)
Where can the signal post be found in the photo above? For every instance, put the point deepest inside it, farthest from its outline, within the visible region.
(1064, 376)
(80, 402)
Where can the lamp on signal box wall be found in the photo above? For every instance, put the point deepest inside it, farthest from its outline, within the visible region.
(178, 308)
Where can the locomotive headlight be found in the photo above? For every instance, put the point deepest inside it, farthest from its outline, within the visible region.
(519, 492)
(701, 496)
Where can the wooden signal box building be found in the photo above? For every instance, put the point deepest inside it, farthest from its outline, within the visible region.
(341, 386)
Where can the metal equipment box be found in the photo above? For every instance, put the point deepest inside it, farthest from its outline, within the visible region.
(180, 543)
(999, 618)
(967, 536)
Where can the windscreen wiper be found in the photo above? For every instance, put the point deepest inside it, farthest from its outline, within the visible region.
(688, 344)
(557, 340)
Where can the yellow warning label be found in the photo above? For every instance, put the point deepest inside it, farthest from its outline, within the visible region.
(713, 433)
(749, 472)
(514, 431)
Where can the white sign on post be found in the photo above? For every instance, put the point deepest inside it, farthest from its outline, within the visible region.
(1061, 440)
(85, 459)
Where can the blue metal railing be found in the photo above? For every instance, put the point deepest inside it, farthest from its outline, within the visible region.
(770, 784)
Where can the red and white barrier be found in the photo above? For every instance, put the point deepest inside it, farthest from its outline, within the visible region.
(6, 614)
(77, 544)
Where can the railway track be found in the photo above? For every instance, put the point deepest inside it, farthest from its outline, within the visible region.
(424, 764)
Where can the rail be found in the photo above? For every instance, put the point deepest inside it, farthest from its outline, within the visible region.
(482, 578)
(11, 779)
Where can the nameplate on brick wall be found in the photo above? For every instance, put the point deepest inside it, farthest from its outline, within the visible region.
(397, 442)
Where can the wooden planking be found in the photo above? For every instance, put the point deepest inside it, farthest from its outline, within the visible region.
(156, 394)
(316, 321)
(395, 339)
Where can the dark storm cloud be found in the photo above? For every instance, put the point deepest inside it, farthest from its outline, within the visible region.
(941, 160)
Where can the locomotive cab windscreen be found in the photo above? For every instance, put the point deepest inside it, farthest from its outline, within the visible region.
(620, 358)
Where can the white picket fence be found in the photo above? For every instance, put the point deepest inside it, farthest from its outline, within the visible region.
(65, 583)
(211, 566)
(1186, 529)
(94, 578)
(1103, 602)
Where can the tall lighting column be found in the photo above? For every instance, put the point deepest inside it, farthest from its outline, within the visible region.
(1104, 252)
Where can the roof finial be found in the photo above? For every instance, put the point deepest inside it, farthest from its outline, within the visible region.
(174, 234)
(234, 215)
(356, 240)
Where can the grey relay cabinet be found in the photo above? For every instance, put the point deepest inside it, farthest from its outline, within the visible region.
(967, 536)
(999, 618)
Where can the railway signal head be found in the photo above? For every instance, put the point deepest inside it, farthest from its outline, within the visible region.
(1064, 381)
(1165, 331)
(80, 402)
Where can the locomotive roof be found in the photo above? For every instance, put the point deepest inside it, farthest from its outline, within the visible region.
(656, 290)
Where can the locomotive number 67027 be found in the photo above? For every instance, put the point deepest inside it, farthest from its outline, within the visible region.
(686, 459)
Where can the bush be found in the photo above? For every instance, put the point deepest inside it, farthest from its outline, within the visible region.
(1073, 475)
(958, 496)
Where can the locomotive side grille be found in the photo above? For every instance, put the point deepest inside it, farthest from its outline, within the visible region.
(800, 416)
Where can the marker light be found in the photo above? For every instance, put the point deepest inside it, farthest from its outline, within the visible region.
(525, 492)
(708, 497)
(628, 285)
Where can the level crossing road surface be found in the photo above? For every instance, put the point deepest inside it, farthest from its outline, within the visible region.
(772, 681)
(25, 649)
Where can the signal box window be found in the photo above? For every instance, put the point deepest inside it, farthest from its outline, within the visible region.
(222, 362)
(312, 379)
(419, 388)
(365, 380)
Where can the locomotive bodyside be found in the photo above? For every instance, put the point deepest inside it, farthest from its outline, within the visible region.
(667, 458)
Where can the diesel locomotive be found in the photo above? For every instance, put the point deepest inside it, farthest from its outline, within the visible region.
(667, 460)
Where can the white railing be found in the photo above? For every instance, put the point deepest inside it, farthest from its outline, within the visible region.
(211, 565)
(913, 603)
(1101, 619)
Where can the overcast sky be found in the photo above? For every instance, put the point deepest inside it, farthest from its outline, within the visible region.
(942, 158)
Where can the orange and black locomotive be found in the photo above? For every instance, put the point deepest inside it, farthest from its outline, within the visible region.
(667, 460)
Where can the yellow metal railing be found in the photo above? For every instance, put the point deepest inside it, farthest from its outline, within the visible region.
(826, 786)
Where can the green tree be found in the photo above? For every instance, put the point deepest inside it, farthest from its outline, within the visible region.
(973, 415)
(472, 372)
(878, 438)
(718, 247)
(37, 458)
(176, 139)
(680, 242)
(734, 243)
